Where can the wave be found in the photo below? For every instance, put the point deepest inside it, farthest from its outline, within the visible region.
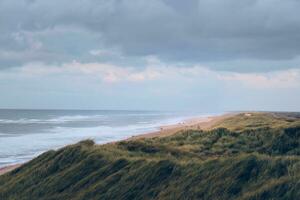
(72, 118)
(57, 120)
(30, 144)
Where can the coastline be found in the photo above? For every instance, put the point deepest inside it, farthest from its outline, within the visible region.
(8, 168)
(195, 123)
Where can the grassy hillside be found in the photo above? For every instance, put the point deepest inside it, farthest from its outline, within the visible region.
(253, 156)
(255, 120)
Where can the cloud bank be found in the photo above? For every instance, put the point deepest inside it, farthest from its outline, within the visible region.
(159, 54)
(158, 71)
(232, 35)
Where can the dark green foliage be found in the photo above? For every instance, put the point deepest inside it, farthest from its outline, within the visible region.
(250, 164)
(288, 142)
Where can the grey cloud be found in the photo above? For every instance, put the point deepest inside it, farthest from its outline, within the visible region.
(195, 31)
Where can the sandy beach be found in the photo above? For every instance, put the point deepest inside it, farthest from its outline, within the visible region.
(203, 123)
(9, 168)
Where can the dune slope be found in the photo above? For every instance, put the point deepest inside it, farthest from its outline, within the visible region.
(253, 156)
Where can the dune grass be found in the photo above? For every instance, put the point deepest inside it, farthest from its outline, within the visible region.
(261, 161)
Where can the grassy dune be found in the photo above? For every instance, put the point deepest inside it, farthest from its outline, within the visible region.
(254, 156)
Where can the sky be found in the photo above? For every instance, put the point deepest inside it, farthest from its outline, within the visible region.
(204, 55)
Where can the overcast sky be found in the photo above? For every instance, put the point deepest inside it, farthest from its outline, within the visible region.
(206, 55)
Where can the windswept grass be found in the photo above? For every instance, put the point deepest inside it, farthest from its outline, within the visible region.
(262, 162)
(254, 120)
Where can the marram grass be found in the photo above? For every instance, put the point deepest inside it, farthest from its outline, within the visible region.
(238, 161)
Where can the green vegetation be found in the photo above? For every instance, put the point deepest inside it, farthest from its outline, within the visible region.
(248, 121)
(250, 157)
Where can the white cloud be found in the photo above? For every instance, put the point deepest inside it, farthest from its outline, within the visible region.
(277, 79)
(108, 72)
(156, 70)
(106, 52)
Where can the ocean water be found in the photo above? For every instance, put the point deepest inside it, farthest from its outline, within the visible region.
(24, 134)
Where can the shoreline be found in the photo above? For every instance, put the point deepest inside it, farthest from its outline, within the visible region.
(195, 123)
(8, 168)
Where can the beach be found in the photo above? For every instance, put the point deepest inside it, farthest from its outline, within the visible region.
(9, 168)
(196, 123)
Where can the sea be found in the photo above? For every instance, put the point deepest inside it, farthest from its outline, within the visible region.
(24, 134)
